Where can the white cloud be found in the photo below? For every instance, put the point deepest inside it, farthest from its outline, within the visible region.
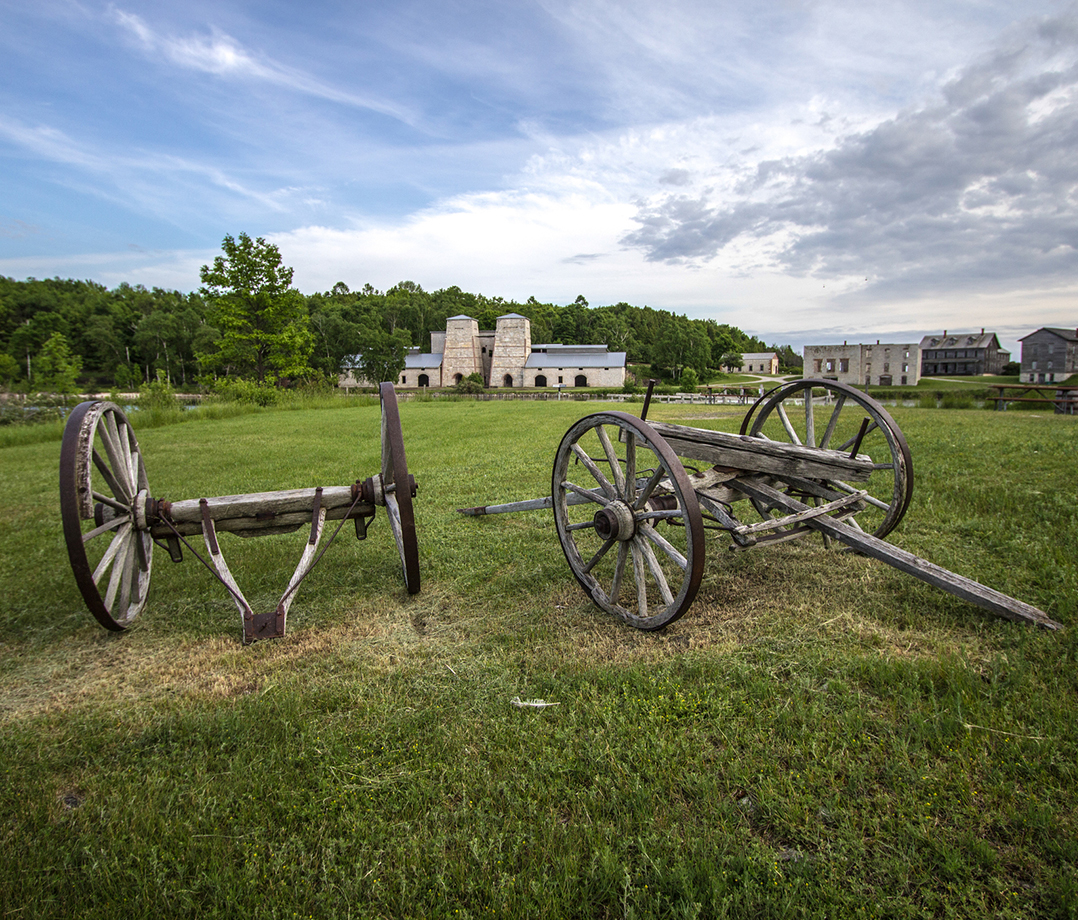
(221, 55)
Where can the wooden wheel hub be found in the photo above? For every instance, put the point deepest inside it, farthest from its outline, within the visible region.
(615, 522)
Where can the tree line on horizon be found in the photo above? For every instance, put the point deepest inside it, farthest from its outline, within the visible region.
(247, 321)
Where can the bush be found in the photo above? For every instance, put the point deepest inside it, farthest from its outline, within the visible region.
(243, 390)
(689, 381)
(471, 384)
(157, 395)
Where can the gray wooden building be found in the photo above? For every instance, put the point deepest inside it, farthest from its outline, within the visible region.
(962, 354)
(1049, 355)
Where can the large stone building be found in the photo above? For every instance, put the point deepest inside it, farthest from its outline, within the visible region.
(1049, 355)
(505, 357)
(963, 354)
(888, 364)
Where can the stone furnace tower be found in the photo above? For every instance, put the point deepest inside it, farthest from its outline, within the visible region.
(512, 346)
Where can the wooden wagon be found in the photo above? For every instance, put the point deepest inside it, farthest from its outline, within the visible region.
(632, 499)
(112, 521)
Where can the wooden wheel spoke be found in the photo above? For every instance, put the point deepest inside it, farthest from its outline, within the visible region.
(586, 493)
(666, 546)
(641, 580)
(643, 516)
(119, 564)
(612, 459)
(129, 575)
(119, 430)
(117, 542)
(106, 527)
(113, 483)
(656, 570)
(117, 459)
(871, 499)
(628, 492)
(142, 551)
(137, 463)
(832, 422)
(111, 502)
(794, 439)
(810, 420)
(619, 572)
(597, 474)
(393, 513)
(583, 525)
(602, 551)
(645, 493)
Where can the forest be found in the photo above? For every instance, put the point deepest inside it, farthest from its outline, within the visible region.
(63, 335)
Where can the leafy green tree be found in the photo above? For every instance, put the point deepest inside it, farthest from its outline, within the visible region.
(9, 370)
(382, 354)
(262, 319)
(57, 367)
(689, 381)
(732, 360)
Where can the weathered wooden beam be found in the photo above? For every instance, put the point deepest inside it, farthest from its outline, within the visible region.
(758, 455)
(261, 512)
(965, 588)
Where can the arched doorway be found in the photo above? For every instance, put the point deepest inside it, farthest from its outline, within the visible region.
(580, 381)
(540, 380)
(424, 380)
(457, 378)
(507, 380)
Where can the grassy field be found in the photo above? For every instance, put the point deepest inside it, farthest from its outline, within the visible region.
(819, 736)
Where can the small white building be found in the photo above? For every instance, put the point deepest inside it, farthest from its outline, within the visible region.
(885, 365)
(760, 362)
(504, 357)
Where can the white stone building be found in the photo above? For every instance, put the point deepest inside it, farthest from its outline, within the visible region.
(760, 362)
(505, 357)
(885, 365)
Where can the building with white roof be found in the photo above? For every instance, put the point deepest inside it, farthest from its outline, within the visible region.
(505, 357)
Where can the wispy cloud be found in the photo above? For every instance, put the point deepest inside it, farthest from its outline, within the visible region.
(221, 55)
(141, 179)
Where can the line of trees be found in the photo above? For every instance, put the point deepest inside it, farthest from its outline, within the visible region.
(248, 321)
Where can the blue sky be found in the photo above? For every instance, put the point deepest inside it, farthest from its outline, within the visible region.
(808, 171)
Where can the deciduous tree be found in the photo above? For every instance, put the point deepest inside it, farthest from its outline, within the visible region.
(262, 319)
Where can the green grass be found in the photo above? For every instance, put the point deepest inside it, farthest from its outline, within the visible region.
(819, 736)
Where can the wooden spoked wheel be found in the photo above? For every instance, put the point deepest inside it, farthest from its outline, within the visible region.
(842, 418)
(398, 488)
(103, 496)
(628, 519)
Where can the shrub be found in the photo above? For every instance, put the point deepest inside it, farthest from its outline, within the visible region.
(243, 390)
(689, 381)
(471, 384)
(157, 395)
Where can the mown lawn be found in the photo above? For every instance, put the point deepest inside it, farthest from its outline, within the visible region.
(819, 736)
